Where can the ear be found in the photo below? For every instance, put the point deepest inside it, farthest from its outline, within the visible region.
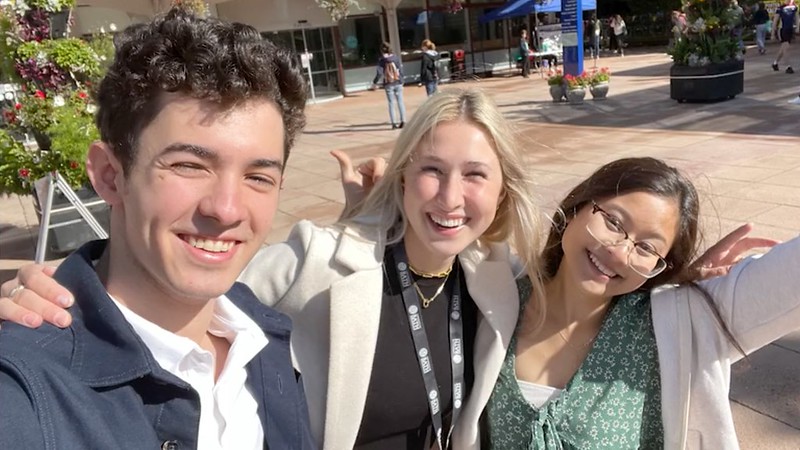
(105, 172)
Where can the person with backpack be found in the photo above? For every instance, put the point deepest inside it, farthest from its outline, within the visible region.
(390, 70)
(428, 72)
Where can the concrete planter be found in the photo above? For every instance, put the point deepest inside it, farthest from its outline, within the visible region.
(713, 82)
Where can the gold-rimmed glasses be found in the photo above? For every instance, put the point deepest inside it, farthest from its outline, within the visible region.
(607, 230)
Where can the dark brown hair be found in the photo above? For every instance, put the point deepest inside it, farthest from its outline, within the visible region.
(203, 58)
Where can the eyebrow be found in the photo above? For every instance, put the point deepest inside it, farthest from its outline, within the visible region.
(434, 158)
(210, 155)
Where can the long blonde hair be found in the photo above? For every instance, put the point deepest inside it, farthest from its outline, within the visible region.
(518, 218)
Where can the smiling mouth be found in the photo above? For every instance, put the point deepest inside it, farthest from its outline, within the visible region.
(449, 224)
(601, 267)
(209, 245)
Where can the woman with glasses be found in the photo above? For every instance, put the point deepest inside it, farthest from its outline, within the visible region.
(601, 361)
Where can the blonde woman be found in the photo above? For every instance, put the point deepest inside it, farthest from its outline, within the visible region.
(428, 72)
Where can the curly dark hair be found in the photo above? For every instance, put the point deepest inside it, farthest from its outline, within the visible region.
(204, 58)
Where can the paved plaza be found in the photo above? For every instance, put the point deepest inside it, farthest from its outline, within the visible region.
(744, 155)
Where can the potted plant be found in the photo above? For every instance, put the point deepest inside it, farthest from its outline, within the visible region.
(576, 87)
(558, 90)
(598, 83)
(52, 104)
(708, 64)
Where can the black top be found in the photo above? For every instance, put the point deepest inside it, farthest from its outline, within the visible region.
(760, 17)
(396, 415)
(427, 71)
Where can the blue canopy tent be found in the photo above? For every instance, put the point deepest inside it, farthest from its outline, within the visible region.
(517, 8)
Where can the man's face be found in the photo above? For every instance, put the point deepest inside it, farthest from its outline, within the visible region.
(200, 198)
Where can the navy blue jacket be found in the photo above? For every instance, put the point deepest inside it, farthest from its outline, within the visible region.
(95, 385)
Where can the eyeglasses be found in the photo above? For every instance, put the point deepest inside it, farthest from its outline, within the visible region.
(608, 231)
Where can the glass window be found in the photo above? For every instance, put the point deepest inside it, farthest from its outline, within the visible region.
(281, 39)
(411, 23)
(361, 41)
(486, 36)
(447, 29)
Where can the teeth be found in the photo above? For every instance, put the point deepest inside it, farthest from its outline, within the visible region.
(603, 269)
(210, 245)
(448, 223)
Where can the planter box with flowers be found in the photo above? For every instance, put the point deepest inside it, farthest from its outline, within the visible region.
(599, 83)
(576, 87)
(54, 75)
(558, 90)
(708, 63)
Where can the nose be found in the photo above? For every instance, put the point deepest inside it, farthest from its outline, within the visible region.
(451, 192)
(223, 201)
(620, 251)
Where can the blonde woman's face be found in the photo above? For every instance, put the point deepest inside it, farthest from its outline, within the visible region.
(452, 189)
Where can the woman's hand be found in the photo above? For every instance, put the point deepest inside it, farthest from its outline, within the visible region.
(723, 255)
(34, 296)
(359, 181)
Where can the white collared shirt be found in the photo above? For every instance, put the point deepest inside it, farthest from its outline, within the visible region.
(228, 411)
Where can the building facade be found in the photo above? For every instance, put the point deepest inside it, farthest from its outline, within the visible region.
(340, 57)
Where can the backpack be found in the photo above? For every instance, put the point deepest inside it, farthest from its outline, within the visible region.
(390, 72)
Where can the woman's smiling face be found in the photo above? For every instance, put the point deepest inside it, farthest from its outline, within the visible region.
(603, 270)
(452, 188)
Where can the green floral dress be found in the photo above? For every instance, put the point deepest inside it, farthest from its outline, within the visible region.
(612, 402)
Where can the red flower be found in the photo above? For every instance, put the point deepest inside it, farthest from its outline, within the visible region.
(82, 95)
(39, 94)
(24, 173)
(73, 164)
(18, 106)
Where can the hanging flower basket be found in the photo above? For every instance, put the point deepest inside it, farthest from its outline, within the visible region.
(338, 9)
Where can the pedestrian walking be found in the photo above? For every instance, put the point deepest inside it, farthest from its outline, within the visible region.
(737, 19)
(761, 20)
(784, 26)
(524, 53)
(620, 32)
(595, 25)
(390, 73)
(428, 70)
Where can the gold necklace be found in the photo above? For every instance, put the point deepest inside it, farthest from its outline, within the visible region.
(585, 344)
(422, 274)
(426, 301)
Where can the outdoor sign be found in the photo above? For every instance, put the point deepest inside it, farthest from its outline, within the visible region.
(572, 35)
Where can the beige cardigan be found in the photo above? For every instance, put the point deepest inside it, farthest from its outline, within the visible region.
(331, 283)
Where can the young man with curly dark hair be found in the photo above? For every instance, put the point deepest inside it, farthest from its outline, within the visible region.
(165, 350)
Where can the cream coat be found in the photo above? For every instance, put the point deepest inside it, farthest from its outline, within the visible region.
(331, 283)
(759, 300)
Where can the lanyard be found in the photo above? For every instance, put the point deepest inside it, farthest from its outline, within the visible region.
(420, 338)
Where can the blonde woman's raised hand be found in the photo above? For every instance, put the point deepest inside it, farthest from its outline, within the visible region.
(358, 181)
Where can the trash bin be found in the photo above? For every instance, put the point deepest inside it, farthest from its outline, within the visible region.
(457, 64)
(443, 65)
